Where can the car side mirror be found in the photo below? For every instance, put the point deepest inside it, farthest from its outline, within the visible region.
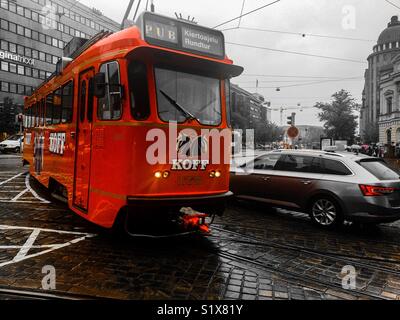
(99, 90)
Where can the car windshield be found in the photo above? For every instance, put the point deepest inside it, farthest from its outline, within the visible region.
(183, 96)
(380, 169)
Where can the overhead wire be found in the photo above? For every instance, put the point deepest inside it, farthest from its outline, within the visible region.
(296, 53)
(299, 34)
(246, 14)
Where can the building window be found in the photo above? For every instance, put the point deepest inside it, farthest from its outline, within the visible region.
(28, 33)
(21, 70)
(20, 10)
(13, 68)
(389, 105)
(12, 27)
(4, 45)
(5, 86)
(21, 89)
(12, 7)
(28, 14)
(4, 24)
(13, 48)
(20, 30)
(13, 88)
(35, 35)
(35, 16)
(4, 4)
(4, 66)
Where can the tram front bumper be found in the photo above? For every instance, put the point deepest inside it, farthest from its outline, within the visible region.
(208, 204)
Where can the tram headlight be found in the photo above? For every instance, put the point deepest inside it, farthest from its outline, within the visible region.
(161, 174)
(166, 174)
(158, 175)
(215, 174)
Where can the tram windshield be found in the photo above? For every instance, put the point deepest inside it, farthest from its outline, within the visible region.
(184, 96)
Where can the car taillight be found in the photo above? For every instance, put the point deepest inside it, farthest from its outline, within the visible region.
(376, 191)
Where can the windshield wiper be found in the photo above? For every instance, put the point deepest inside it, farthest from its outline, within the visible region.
(186, 113)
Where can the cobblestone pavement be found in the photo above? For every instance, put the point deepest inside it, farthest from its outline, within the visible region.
(253, 252)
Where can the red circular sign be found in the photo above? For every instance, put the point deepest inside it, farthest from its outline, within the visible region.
(293, 132)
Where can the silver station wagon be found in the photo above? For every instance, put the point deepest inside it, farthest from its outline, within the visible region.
(331, 187)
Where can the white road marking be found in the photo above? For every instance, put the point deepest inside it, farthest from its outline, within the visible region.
(11, 179)
(5, 227)
(28, 186)
(27, 246)
(16, 198)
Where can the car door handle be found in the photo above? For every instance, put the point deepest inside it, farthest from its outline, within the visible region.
(306, 182)
(73, 134)
(267, 178)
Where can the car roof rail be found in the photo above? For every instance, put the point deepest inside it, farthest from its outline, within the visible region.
(317, 152)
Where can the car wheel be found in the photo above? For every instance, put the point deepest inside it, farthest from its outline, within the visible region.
(325, 212)
(17, 150)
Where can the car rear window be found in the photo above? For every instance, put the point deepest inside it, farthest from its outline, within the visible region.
(380, 169)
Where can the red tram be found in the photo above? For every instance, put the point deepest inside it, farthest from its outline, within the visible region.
(100, 132)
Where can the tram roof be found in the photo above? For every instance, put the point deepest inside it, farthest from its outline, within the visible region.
(127, 43)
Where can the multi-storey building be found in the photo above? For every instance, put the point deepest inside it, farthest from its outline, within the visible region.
(379, 62)
(33, 34)
(251, 108)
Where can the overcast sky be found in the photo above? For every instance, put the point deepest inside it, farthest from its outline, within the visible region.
(320, 17)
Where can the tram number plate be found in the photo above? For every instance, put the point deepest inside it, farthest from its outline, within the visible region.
(189, 181)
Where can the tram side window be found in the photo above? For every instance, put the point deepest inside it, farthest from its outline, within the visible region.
(49, 109)
(228, 102)
(42, 113)
(31, 117)
(139, 90)
(35, 113)
(90, 101)
(57, 106)
(67, 102)
(110, 107)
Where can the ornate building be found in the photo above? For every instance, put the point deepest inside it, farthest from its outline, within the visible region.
(380, 64)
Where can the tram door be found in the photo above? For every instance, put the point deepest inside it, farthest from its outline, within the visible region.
(83, 140)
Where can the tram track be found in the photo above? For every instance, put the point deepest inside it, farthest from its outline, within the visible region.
(312, 254)
(339, 256)
(30, 294)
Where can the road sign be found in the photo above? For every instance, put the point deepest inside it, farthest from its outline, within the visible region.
(293, 132)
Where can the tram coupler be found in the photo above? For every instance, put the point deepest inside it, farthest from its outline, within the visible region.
(193, 222)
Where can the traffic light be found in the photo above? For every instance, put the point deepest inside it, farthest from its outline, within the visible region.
(292, 120)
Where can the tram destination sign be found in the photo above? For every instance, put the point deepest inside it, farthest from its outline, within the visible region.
(180, 35)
